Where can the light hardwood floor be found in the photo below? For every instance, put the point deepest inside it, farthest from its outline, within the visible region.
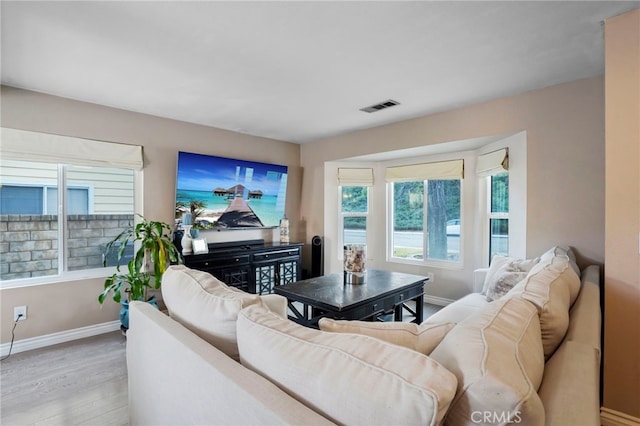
(83, 382)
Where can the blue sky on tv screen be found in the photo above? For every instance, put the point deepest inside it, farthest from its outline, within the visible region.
(198, 172)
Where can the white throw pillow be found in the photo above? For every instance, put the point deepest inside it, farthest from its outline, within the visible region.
(205, 305)
(496, 354)
(350, 379)
(504, 273)
(422, 338)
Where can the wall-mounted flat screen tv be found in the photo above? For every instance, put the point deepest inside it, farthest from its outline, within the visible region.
(228, 193)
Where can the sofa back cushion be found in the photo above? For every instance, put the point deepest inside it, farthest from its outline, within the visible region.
(422, 338)
(496, 354)
(205, 305)
(350, 379)
(565, 253)
(550, 286)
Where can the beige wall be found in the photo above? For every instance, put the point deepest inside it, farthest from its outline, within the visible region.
(58, 307)
(565, 155)
(622, 273)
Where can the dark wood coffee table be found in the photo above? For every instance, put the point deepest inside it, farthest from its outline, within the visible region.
(383, 292)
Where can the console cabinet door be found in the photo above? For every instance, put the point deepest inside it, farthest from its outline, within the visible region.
(275, 267)
(234, 271)
(237, 276)
(278, 272)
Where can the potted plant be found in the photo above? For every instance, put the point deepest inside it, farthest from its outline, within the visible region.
(155, 252)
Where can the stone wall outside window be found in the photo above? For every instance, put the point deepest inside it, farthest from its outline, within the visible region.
(29, 243)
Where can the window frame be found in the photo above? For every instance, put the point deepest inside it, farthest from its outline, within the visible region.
(65, 275)
(342, 215)
(44, 194)
(425, 261)
(490, 215)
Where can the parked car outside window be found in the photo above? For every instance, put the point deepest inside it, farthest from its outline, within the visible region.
(453, 227)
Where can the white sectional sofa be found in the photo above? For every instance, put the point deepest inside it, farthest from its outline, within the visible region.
(531, 357)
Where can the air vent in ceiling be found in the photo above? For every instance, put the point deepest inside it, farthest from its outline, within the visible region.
(382, 105)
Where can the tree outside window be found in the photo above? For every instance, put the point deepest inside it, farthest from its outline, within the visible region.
(441, 236)
(354, 209)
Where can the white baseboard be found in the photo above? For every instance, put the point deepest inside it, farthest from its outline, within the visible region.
(60, 337)
(609, 417)
(435, 300)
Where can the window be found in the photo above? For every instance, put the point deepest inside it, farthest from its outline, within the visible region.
(41, 200)
(37, 234)
(439, 240)
(354, 209)
(353, 187)
(498, 214)
(493, 167)
(58, 213)
(425, 211)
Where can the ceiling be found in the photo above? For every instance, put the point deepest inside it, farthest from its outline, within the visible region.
(298, 71)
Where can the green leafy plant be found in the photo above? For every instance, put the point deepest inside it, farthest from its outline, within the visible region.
(133, 282)
(155, 253)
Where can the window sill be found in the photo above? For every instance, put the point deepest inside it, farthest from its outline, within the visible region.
(428, 263)
(57, 279)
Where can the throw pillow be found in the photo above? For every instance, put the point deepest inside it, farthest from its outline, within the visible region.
(504, 273)
(503, 283)
(422, 338)
(349, 379)
(205, 305)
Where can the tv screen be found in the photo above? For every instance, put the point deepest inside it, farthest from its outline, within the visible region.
(229, 193)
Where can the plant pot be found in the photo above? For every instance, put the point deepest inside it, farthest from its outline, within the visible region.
(124, 312)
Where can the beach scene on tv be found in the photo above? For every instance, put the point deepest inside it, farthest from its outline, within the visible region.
(223, 192)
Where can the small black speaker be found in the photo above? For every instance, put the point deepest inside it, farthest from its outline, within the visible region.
(317, 256)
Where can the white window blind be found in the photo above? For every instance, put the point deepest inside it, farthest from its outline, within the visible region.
(355, 177)
(493, 163)
(23, 145)
(441, 170)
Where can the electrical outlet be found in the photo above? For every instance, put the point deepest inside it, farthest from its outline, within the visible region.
(20, 310)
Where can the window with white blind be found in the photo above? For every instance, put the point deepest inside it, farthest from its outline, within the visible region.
(353, 184)
(425, 212)
(61, 200)
(493, 168)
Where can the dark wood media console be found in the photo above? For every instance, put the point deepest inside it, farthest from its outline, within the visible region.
(254, 266)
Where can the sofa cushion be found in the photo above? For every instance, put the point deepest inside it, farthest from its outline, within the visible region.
(549, 286)
(504, 273)
(205, 305)
(496, 354)
(585, 316)
(422, 338)
(567, 254)
(458, 310)
(571, 379)
(350, 379)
